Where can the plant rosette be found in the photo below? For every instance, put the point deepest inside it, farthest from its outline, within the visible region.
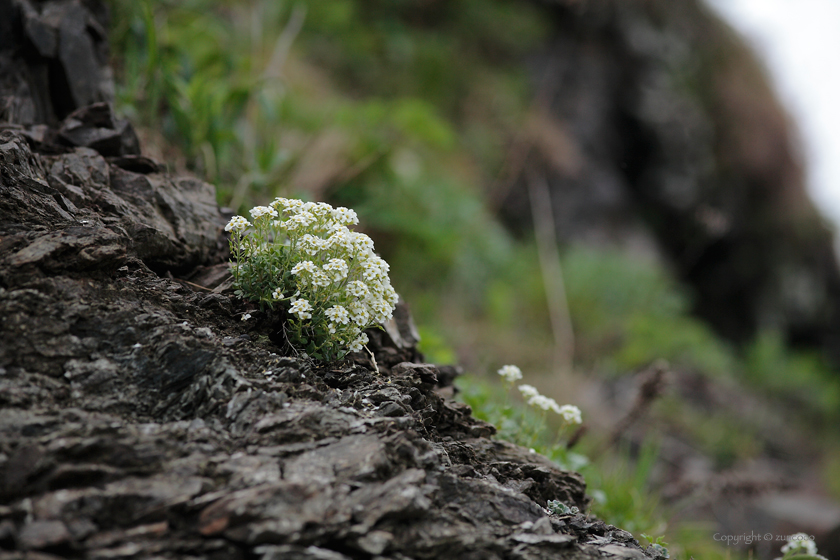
(303, 259)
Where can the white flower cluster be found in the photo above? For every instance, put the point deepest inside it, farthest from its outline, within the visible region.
(800, 543)
(570, 413)
(340, 286)
(511, 374)
(237, 224)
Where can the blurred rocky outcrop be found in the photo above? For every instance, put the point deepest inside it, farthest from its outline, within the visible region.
(141, 418)
(657, 130)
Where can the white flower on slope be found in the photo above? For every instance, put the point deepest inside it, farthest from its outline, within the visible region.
(528, 391)
(357, 288)
(258, 212)
(338, 267)
(237, 224)
(345, 216)
(510, 373)
(360, 341)
(545, 403)
(302, 309)
(570, 414)
(338, 314)
(307, 266)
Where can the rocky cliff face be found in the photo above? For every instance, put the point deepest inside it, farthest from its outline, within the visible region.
(140, 417)
(656, 130)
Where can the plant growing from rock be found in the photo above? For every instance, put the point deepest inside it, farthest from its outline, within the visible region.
(302, 259)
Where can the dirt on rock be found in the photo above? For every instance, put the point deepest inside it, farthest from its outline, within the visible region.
(140, 417)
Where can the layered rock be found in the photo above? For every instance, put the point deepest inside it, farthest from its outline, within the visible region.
(141, 418)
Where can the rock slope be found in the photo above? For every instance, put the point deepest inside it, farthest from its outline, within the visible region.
(141, 418)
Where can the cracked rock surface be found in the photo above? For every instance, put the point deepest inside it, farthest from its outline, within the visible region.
(140, 418)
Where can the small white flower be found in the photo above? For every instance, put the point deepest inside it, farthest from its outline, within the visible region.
(331, 328)
(289, 205)
(311, 244)
(382, 311)
(320, 278)
(359, 343)
(510, 373)
(361, 242)
(390, 295)
(570, 414)
(258, 212)
(246, 316)
(304, 266)
(358, 289)
(304, 219)
(528, 391)
(302, 309)
(237, 224)
(320, 209)
(338, 314)
(345, 216)
(338, 267)
(361, 316)
(277, 293)
(543, 402)
(800, 541)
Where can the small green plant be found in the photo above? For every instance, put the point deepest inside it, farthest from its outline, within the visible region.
(559, 508)
(302, 258)
(657, 545)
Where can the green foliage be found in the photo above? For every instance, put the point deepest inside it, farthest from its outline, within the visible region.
(658, 545)
(630, 312)
(802, 379)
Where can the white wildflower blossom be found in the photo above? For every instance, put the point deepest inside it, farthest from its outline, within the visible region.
(371, 271)
(361, 242)
(570, 414)
(528, 391)
(800, 542)
(382, 311)
(320, 209)
(289, 205)
(345, 216)
(304, 219)
(246, 316)
(338, 267)
(391, 296)
(510, 373)
(320, 278)
(277, 293)
(302, 309)
(304, 266)
(543, 402)
(361, 315)
(237, 224)
(258, 212)
(338, 314)
(311, 244)
(357, 289)
(359, 343)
